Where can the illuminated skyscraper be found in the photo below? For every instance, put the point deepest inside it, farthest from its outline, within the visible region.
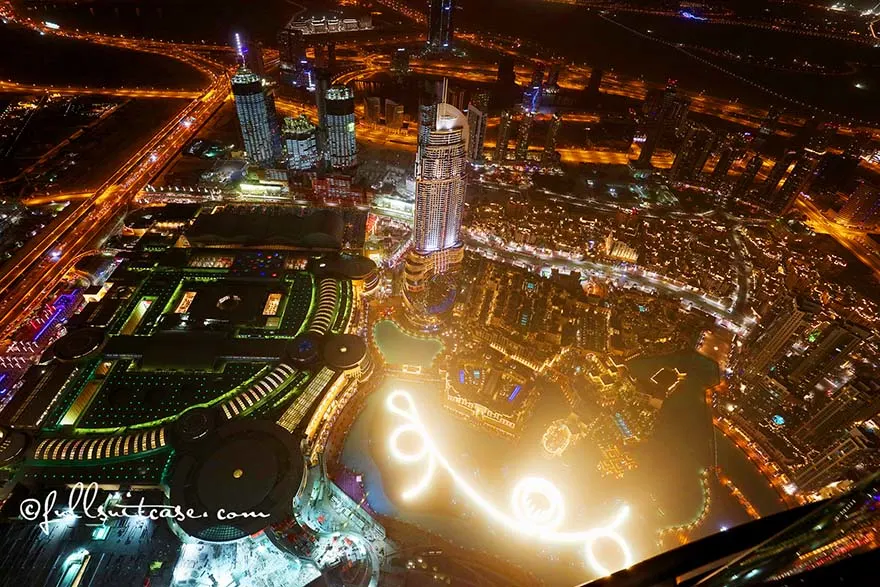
(257, 118)
(440, 183)
(478, 117)
(549, 154)
(341, 145)
(440, 192)
(768, 188)
(855, 402)
(429, 271)
(503, 137)
(322, 85)
(372, 109)
(440, 25)
(665, 112)
(692, 154)
(787, 317)
(400, 61)
(300, 143)
(833, 348)
(428, 99)
(522, 136)
(727, 154)
(747, 178)
(798, 180)
(857, 449)
(393, 114)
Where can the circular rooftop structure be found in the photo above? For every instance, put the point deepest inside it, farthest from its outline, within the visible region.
(344, 351)
(243, 479)
(12, 445)
(195, 425)
(305, 348)
(78, 344)
(354, 267)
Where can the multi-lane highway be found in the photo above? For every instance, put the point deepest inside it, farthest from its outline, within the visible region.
(8, 86)
(854, 241)
(28, 277)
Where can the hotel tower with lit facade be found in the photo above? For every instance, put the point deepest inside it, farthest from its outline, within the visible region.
(440, 193)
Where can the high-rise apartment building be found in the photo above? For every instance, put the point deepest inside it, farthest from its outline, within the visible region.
(798, 180)
(478, 118)
(503, 137)
(747, 179)
(440, 31)
(833, 348)
(665, 112)
(773, 339)
(257, 118)
(692, 154)
(300, 143)
(341, 145)
(858, 400)
(393, 114)
(523, 134)
(549, 154)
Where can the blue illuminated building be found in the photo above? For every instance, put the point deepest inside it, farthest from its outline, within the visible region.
(440, 25)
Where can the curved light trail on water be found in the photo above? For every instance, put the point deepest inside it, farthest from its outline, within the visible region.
(537, 506)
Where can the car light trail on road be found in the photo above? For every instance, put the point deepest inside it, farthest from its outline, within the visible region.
(537, 504)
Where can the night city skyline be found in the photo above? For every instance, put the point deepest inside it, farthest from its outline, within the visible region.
(439, 292)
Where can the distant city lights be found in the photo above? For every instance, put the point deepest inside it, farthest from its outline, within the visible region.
(51, 25)
(537, 505)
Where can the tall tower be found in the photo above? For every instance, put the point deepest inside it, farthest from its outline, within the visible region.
(726, 156)
(692, 154)
(838, 341)
(772, 341)
(478, 117)
(503, 137)
(665, 111)
(856, 401)
(428, 99)
(257, 117)
(440, 25)
(768, 188)
(341, 144)
(440, 183)
(300, 143)
(550, 143)
(522, 136)
(439, 199)
(745, 181)
(797, 181)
